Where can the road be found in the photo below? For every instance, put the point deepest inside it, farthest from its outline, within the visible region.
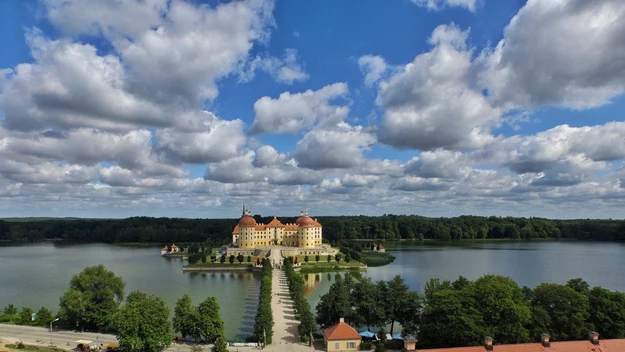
(65, 339)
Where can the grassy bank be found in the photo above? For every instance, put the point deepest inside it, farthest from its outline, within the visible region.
(372, 258)
(322, 268)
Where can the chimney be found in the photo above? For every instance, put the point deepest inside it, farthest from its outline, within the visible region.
(594, 338)
(341, 320)
(488, 343)
(544, 339)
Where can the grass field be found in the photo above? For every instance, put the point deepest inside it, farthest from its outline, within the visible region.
(376, 258)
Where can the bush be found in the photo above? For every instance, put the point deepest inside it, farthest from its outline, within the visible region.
(365, 346)
(393, 344)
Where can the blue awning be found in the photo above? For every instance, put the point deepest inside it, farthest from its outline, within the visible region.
(397, 336)
(367, 334)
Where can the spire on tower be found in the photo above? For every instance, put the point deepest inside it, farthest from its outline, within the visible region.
(244, 211)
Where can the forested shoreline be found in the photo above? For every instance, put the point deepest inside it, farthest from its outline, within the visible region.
(335, 228)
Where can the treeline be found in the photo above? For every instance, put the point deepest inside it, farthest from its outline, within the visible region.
(335, 228)
(263, 324)
(463, 312)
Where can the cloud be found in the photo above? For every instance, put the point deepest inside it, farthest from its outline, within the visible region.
(195, 46)
(373, 67)
(430, 103)
(436, 5)
(111, 19)
(328, 149)
(439, 164)
(267, 155)
(69, 85)
(217, 140)
(291, 113)
(413, 184)
(537, 153)
(287, 70)
(561, 53)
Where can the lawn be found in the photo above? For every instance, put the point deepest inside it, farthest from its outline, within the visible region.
(12, 347)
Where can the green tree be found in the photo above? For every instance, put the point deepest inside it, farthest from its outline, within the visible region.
(450, 319)
(185, 317)
(249, 259)
(209, 323)
(348, 258)
(317, 258)
(142, 323)
(503, 307)
(44, 317)
(608, 312)
(231, 259)
(222, 259)
(306, 259)
(337, 257)
(367, 297)
(567, 311)
(393, 299)
(93, 296)
(338, 303)
(10, 311)
(409, 317)
(220, 345)
(434, 285)
(26, 315)
(580, 286)
(329, 258)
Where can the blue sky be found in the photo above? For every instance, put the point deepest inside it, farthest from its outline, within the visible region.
(432, 107)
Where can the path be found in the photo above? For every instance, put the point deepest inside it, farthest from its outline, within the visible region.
(285, 333)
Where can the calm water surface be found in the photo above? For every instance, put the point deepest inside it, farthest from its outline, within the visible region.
(528, 263)
(37, 275)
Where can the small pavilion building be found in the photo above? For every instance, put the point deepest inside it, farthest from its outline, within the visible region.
(341, 337)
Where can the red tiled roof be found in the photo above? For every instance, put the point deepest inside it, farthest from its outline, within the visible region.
(174, 246)
(341, 331)
(236, 229)
(291, 227)
(616, 345)
(165, 248)
(275, 223)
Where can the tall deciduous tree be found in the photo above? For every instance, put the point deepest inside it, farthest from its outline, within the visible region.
(93, 296)
(10, 311)
(503, 307)
(185, 317)
(396, 291)
(608, 312)
(209, 323)
(368, 300)
(450, 319)
(142, 324)
(44, 317)
(567, 311)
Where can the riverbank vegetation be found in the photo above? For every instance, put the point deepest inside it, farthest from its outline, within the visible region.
(263, 324)
(93, 302)
(335, 228)
(462, 312)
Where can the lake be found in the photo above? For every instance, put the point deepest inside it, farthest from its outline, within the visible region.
(36, 275)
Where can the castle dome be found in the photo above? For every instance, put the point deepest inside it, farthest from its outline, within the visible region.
(305, 221)
(247, 221)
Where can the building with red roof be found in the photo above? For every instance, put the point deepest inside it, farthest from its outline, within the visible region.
(341, 337)
(306, 232)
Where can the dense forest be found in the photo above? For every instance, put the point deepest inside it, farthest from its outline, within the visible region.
(335, 228)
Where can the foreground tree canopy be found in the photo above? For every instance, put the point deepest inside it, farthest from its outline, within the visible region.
(142, 324)
(202, 323)
(93, 296)
(335, 228)
(462, 312)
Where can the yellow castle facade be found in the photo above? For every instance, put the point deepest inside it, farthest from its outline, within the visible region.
(306, 232)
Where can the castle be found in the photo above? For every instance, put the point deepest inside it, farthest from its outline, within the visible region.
(304, 233)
